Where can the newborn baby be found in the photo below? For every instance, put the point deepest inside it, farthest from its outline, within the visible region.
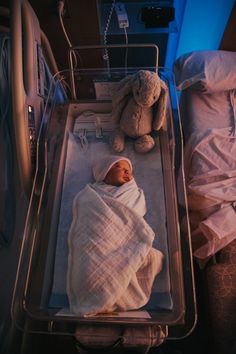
(111, 263)
(114, 176)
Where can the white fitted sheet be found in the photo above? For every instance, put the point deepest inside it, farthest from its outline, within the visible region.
(148, 175)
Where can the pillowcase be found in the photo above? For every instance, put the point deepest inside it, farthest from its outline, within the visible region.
(207, 71)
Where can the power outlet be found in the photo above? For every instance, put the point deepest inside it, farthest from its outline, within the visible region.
(121, 15)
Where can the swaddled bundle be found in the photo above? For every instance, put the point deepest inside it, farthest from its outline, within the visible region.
(111, 264)
(108, 182)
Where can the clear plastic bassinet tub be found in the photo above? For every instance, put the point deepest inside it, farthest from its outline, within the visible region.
(74, 130)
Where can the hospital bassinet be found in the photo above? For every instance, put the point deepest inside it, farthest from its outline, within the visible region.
(72, 133)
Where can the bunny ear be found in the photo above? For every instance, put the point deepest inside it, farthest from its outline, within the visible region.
(160, 114)
(124, 87)
(120, 96)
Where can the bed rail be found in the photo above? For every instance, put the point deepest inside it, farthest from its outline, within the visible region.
(27, 43)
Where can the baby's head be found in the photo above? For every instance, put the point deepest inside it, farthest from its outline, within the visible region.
(119, 173)
(113, 170)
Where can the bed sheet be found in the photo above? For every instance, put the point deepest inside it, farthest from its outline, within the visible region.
(209, 121)
(200, 111)
(148, 175)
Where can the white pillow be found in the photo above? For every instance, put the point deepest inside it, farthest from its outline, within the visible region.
(207, 71)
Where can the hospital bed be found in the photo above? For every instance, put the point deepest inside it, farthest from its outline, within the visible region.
(75, 129)
(208, 106)
(26, 67)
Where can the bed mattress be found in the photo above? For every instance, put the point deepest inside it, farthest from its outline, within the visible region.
(78, 172)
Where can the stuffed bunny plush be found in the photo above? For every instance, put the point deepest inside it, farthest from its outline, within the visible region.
(133, 104)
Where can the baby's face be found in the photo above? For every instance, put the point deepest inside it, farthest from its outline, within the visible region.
(119, 174)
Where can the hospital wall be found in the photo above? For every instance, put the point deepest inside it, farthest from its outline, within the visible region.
(203, 25)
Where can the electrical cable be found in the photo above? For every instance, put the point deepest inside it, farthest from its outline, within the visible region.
(126, 50)
(60, 9)
(106, 54)
(7, 170)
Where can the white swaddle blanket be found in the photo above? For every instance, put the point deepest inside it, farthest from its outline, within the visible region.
(111, 263)
(128, 194)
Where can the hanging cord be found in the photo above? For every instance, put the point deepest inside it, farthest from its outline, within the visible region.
(7, 171)
(4, 106)
(60, 9)
(106, 54)
(126, 50)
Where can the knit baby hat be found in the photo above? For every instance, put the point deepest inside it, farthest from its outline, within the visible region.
(101, 167)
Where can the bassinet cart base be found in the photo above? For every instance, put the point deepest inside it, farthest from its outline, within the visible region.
(69, 140)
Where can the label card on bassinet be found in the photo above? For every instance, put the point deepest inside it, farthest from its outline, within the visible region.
(104, 89)
(125, 314)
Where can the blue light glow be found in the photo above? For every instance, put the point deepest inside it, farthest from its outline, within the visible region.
(203, 25)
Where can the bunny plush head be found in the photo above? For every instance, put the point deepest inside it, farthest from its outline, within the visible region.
(133, 103)
(146, 88)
